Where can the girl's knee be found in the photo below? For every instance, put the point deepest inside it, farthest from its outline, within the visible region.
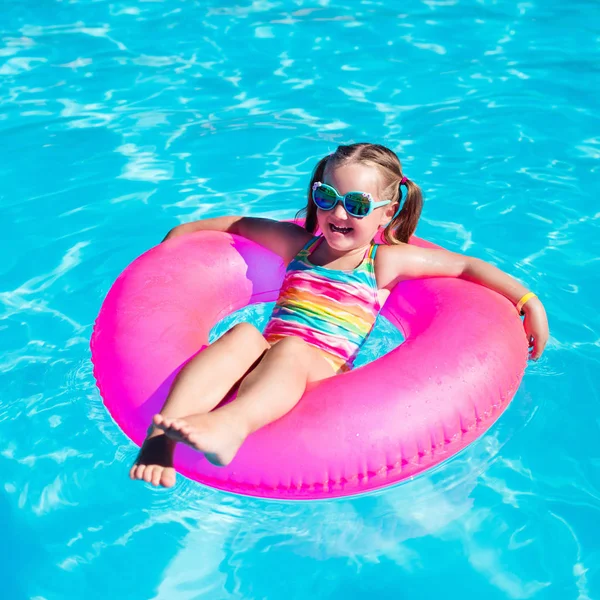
(244, 329)
(292, 346)
(247, 335)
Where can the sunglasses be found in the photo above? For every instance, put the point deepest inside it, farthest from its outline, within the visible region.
(357, 204)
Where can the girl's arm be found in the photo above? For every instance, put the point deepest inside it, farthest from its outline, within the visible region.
(284, 239)
(403, 262)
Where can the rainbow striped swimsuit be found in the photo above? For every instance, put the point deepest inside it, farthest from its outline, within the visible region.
(330, 309)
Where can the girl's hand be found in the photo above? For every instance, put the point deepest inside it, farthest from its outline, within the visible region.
(536, 327)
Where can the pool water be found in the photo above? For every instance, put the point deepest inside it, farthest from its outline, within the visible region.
(120, 119)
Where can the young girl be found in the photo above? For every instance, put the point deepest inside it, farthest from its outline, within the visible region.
(334, 287)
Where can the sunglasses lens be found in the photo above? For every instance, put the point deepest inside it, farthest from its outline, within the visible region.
(357, 204)
(324, 197)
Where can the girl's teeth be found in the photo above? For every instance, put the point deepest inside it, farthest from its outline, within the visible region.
(340, 229)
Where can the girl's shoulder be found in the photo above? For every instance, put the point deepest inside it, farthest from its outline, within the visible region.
(388, 261)
(408, 261)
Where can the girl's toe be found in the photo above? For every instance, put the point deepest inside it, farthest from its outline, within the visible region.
(148, 473)
(160, 422)
(167, 478)
(156, 476)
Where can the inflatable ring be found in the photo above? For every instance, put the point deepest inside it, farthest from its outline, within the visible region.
(462, 361)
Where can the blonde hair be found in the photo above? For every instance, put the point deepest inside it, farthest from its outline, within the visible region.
(403, 225)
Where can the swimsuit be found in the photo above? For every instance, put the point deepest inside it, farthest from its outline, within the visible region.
(329, 309)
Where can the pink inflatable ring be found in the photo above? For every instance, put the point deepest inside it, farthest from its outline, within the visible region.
(462, 361)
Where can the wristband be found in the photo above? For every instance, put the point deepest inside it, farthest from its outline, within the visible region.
(523, 301)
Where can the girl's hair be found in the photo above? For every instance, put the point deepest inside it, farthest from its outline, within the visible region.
(403, 225)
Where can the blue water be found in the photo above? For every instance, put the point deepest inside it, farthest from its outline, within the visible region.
(120, 119)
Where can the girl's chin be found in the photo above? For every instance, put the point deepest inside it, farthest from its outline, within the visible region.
(340, 241)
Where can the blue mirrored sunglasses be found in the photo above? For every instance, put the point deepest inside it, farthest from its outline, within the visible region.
(356, 204)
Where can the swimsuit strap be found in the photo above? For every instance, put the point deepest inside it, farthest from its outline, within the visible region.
(370, 268)
(310, 246)
(306, 249)
(373, 251)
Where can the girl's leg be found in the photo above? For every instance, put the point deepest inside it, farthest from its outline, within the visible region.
(198, 388)
(270, 391)
(210, 375)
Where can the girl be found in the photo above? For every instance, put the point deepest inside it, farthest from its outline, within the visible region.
(334, 287)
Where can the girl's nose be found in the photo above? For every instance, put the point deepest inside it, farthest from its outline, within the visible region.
(339, 212)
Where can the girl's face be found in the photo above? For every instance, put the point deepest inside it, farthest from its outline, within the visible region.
(342, 231)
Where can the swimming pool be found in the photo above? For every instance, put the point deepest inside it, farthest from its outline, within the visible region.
(120, 119)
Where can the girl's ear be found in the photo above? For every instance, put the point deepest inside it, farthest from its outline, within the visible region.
(388, 214)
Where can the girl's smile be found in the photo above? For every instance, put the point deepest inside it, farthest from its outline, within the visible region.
(339, 229)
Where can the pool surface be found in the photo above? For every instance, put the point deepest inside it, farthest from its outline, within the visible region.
(120, 119)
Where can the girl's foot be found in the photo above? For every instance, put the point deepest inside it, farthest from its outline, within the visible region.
(154, 463)
(209, 433)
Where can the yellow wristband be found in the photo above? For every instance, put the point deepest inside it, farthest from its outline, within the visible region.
(523, 301)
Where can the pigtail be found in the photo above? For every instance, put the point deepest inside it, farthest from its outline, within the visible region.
(403, 225)
(309, 213)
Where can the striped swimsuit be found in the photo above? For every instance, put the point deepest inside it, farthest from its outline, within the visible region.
(330, 309)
